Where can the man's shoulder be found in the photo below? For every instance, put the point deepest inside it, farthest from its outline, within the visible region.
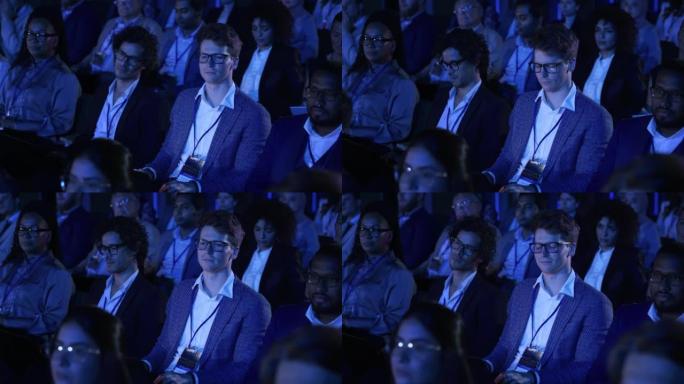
(590, 296)
(250, 299)
(247, 104)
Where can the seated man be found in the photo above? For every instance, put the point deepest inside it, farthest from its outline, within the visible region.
(661, 133)
(217, 133)
(215, 304)
(556, 322)
(308, 141)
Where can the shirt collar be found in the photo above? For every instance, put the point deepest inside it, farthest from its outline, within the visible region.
(228, 100)
(126, 93)
(519, 42)
(651, 128)
(568, 288)
(464, 284)
(519, 235)
(227, 288)
(179, 32)
(177, 235)
(471, 93)
(125, 285)
(568, 103)
(653, 314)
(308, 127)
(603, 255)
(314, 320)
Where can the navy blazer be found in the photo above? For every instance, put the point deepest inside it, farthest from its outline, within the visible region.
(81, 30)
(622, 94)
(630, 141)
(191, 269)
(419, 38)
(577, 149)
(284, 154)
(234, 339)
(481, 310)
(280, 85)
(238, 141)
(76, 236)
(576, 336)
(141, 313)
(418, 237)
(484, 125)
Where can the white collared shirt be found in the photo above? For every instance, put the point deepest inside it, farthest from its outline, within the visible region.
(653, 314)
(225, 13)
(202, 308)
(598, 268)
(453, 115)
(518, 257)
(517, 67)
(594, 84)
(112, 110)
(546, 122)
(255, 269)
(661, 144)
(255, 69)
(336, 323)
(544, 307)
(452, 301)
(318, 145)
(177, 58)
(205, 119)
(174, 260)
(111, 303)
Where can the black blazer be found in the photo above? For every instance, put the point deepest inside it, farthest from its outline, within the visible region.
(280, 283)
(141, 313)
(623, 282)
(76, 236)
(622, 94)
(280, 85)
(481, 309)
(484, 125)
(142, 126)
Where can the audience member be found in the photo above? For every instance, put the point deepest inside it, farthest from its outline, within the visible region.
(178, 47)
(470, 16)
(226, 202)
(418, 229)
(648, 43)
(304, 35)
(305, 236)
(14, 16)
(83, 21)
(648, 238)
(102, 165)
(76, 228)
(418, 35)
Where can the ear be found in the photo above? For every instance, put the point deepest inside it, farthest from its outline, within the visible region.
(571, 65)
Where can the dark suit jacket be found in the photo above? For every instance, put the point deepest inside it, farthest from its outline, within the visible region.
(81, 30)
(622, 283)
(76, 237)
(142, 125)
(280, 85)
(481, 309)
(141, 313)
(419, 38)
(284, 154)
(622, 94)
(280, 283)
(484, 125)
(630, 141)
(191, 269)
(418, 236)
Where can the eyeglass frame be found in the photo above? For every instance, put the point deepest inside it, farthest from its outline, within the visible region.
(211, 246)
(667, 277)
(58, 348)
(465, 247)
(325, 95)
(120, 203)
(373, 40)
(41, 36)
(667, 94)
(413, 346)
(452, 66)
(373, 231)
(112, 249)
(329, 282)
(545, 246)
(546, 67)
(409, 170)
(133, 60)
(31, 230)
(65, 180)
(210, 58)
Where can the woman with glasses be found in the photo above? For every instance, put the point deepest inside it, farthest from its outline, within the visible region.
(376, 286)
(268, 72)
(383, 96)
(268, 264)
(427, 348)
(611, 78)
(126, 294)
(35, 288)
(100, 166)
(87, 349)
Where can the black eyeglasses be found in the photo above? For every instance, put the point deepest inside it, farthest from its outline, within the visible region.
(674, 96)
(216, 58)
(329, 281)
(456, 243)
(121, 56)
(78, 352)
(31, 230)
(552, 247)
(373, 231)
(548, 68)
(368, 39)
(112, 249)
(328, 96)
(415, 345)
(218, 246)
(39, 35)
(673, 279)
(451, 65)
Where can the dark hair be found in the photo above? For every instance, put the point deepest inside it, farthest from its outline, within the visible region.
(139, 36)
(276, 14)
(472, 47)
(451, 151)
(557, 222)
(55, 19)
(277, 214)
(661, 173)
(674, 249)
(112, 159)
(196, 199)
(218, 33)
(625, 29)
(557, 39)
(226, 223)
(483, 230)
(389, 19)
(625, 219)
(328, 250)
(132, 234)
(327, 68)
(535, 7)
(676, 66)
(197, 5)
(46, 210)
(105, 330)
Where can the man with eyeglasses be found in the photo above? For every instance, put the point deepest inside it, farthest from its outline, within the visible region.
(310, 141)
(666, 302)
(468, 108)
(557, 136)
(216, 304)
(662, 133)
(217, 132)
(556, 323)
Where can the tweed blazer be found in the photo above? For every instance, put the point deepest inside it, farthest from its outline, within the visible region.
(239, 139)
(234, 339)
(576, 337)
(577, 149)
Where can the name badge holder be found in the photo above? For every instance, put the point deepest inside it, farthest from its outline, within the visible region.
(532, 355)
(533, 171)
(192, 168)
(191, 354)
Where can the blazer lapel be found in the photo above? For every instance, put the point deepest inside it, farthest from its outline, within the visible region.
(130, 296)
(465, 128)
(122, 126)
(468, 296)
(567, 308)
(565, 129)
(223, 130)
(226, 309)
(525, 309)
(182, 310)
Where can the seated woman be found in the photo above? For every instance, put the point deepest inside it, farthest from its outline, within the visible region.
(376, 286)
(611, 265)
(268, 72)
(383, 96)
(35, 288)
(100, 166)
(268, 264)
(612, 78)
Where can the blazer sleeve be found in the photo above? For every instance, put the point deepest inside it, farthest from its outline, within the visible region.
(607, 165)
(163, 346)
(149, 324)
(260, 177)
(497, 357)
(62, 108)
(402, 101)
(59, 289)
(162, 162)
(502, 165)
(398, 298)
